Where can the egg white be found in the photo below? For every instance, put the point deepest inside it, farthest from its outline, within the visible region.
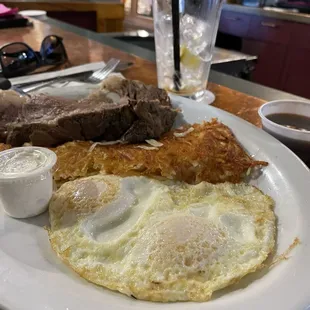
(161, 240)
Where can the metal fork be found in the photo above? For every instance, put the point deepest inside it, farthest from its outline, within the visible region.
(101, 74)
(95, 78)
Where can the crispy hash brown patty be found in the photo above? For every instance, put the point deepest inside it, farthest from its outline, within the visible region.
(208, 152)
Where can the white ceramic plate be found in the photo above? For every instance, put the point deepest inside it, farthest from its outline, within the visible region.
(32, 277)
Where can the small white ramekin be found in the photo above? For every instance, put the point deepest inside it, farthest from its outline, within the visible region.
(26, 194)
(285, 106)
(298, 141)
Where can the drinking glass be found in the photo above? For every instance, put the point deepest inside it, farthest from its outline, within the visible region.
(198, 25)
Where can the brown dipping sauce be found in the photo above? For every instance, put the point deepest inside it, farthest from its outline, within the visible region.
(293, 121)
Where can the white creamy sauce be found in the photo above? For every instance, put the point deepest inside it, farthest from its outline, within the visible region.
(26, 181)
(22, 162)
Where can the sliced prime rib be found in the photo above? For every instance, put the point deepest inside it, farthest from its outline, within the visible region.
(48, 121)
(10, 104)
(141, 112)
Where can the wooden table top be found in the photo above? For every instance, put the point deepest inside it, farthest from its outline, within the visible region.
(82, 50)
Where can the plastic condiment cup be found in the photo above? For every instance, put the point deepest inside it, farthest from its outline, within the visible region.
(26, 181)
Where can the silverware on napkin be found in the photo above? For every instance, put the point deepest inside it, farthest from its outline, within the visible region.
(78, 72)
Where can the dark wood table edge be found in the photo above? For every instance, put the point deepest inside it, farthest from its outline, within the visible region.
(234, 83)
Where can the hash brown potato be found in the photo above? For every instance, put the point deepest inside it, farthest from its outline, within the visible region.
(208, 152)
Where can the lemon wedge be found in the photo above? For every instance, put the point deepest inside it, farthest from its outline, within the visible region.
(188, 59)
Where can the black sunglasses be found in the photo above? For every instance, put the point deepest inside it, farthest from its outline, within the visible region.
(19, 58)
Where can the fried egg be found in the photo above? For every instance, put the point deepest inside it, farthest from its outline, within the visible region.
(161, 240)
